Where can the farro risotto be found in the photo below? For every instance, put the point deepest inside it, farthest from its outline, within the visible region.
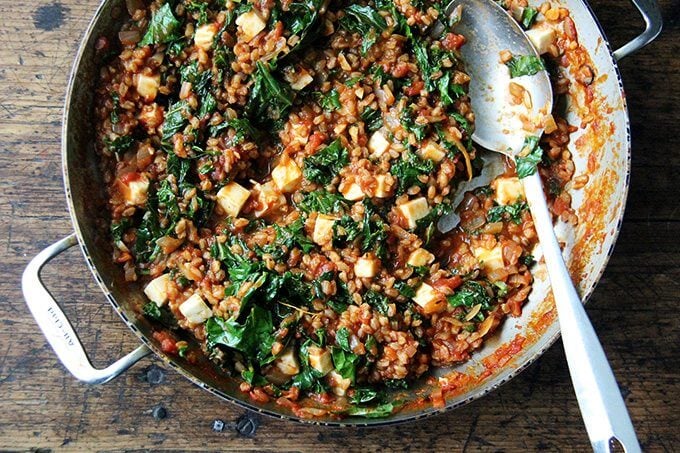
(276, 173)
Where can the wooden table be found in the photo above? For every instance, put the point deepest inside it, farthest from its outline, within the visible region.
(634, 308)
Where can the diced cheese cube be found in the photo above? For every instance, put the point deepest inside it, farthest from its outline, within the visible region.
(269, 198)
(366, 267)
(382, 190)
(414, 210)
(517, 12)
(339, 385)
(429, 299)
(232, 197)
(284, 367)
(352, 192)
(320, 359)
(490, 259)
(323, 229)
(297, 78)
(378, 143)
(433, 151)
(287, 175)
(134, 187)
(541, 38)
(508, 190)
(420, 257)
(287, 362)
(157, 289)
(195, 310)
(251, 24)
(147, 86)
(204, 36)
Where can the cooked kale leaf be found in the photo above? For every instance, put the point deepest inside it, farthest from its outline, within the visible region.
(408, 169)
(162, 27)
(528, 159)
(521, 65)
(323, 166)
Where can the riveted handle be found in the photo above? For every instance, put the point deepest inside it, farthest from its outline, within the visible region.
(58, 330)
(651, 13)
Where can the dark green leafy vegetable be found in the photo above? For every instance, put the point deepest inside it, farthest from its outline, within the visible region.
(162, 315)
(302, 20)
(329, 101)
(162, 27)
(528, 17)
(293, 235)
(521, 65)
(309, 377)
(528, 159)
(345, 231)
(269, 97)
(528, 260)
(449, 92)
(408, 169)
(200, 8)
(372, 119)
(353, 81)
(512, 211)
(322, 201)
(409, 124)
(404, 289)
(342, 338)
(462, 122)
(363, 395)
(115, 111)
(378, 301)
(254, 338)
(119, 229)
(325, 164)
(119, 144)
(469, 295)
(175, 119)
(345, 363)
(373, 231)
(428, 224)
(152, 310)
(365, 21)
(396, 384)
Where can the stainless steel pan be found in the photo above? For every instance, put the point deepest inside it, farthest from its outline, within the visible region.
(601, 150)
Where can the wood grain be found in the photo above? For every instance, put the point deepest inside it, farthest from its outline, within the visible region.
(634, 309)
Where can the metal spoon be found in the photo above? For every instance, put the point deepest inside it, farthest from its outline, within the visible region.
(490, 30)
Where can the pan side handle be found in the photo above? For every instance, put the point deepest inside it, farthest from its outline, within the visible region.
(58, 330)
(651, 13)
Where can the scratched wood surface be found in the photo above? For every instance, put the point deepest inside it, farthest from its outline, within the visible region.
(634, 308)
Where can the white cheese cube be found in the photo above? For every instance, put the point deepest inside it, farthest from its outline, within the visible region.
(204, 36)
(297, 78)
(269, 198)
(433, 151)
(352, 192)
(517, 12)
(147, 86)
(157, 289)
(366, 267)
(429, 299)
(287, 362)
(323, 229)
(541, 38)
(414, 210)
(339, 385)
(378, 143)
(382, 190)
(251, 23)
(287, 175)
(195, 310)
(490, 259)
(420, 257)
(508, 190)
(320, 359)
(134, 187)
(232, 197)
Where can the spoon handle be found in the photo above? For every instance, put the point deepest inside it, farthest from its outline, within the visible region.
(602, 407)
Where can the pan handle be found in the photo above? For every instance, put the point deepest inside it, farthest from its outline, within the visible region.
(58, 330)
(651, 13)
